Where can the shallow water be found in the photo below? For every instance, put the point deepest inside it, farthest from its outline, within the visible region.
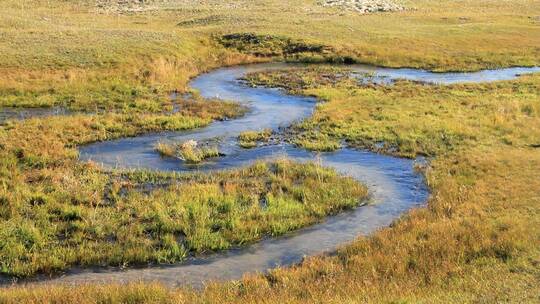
(394, 185)
(446, 78)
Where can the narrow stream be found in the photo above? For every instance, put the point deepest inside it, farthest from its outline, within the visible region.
(394, 185)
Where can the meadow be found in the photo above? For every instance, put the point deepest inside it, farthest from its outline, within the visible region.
(476, 242)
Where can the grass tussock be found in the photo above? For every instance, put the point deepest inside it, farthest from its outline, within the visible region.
(250, 139)
(187, 151)
(316, 142)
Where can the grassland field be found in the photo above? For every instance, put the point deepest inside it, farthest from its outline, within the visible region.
(478, 241)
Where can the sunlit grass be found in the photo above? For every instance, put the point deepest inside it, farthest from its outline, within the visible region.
(96, 218)
(477, 241)
(250, 139)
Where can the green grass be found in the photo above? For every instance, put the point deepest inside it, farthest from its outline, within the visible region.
(250, 139)
(109, 220)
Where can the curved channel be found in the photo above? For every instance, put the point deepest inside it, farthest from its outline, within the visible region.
(394, 185)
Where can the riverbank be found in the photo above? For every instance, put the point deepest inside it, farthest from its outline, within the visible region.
(482, 203)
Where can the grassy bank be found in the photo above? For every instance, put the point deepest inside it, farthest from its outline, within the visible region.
(51, 203)
(477, 242)
(181, 215)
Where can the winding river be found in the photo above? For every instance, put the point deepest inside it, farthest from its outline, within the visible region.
(394, 185)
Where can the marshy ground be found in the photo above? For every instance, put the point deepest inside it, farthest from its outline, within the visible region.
(477, 241)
